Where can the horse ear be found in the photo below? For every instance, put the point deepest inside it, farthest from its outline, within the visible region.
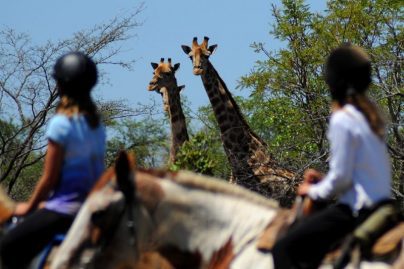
(154, 65)
(124, 170)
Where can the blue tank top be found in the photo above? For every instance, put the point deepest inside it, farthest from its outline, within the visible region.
(83, 162)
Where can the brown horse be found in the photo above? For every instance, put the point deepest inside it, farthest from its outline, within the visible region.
(191, 220)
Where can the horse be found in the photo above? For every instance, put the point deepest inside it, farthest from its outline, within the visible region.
(192, 220)
(139, 218)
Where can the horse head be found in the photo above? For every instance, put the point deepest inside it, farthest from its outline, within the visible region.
(95, 239)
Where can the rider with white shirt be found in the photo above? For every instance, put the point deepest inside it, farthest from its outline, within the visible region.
(359, 173)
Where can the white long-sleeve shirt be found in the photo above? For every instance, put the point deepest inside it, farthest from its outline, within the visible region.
(359, 172)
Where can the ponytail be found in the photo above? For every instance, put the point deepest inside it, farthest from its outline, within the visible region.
(371, 112)
(71, 106)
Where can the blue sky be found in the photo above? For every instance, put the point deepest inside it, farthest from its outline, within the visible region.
(233, 25)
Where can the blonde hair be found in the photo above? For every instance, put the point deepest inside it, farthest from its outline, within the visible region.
(70, 106)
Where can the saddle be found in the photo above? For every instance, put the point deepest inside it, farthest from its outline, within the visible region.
(380, 237)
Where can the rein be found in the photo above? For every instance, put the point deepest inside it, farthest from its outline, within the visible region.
(130, 224)
(129, 204)
(109, 230)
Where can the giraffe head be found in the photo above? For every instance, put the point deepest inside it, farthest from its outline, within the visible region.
(164, 79)
(163, 75)
(199, 54)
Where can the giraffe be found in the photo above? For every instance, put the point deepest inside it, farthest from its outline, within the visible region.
(165, 83)
(251, 164)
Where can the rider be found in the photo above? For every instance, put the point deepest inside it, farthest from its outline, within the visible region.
(359, 173)
(73, 162)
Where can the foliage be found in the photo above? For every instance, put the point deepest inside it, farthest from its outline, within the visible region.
(146, 138)
(200, 155)
(289, 94)
(30, 175)
(28, 178)
(204, 143)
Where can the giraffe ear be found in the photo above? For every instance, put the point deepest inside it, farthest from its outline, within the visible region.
(186, 49)
(176, 66)
(180, 88)
(154, 65)
(212, 49)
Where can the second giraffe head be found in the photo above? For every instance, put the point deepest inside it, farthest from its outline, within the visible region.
(163, 75)
(164, 81)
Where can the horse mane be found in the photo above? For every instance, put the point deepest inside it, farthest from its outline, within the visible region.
(236, 217)
(214, 185)
(126, 162)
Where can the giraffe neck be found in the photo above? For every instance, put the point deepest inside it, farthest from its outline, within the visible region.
(226, 110)
(179, 133)
(246, 151)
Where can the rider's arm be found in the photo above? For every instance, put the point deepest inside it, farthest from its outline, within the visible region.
(50, 176)
(343, 148)
(57, 133)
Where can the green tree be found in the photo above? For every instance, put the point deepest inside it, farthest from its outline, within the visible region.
(146, 138)
(207, 144)
(27, 179)
(289, 94)
(30, 174)
(201, 154)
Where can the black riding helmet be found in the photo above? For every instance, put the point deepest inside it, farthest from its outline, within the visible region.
(75, 73)
(347, 72)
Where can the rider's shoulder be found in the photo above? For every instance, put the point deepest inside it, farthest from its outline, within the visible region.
(59, 120)
(59, 128)
(346, 117)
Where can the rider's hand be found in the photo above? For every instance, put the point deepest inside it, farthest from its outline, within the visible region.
(303, 188)
(312, 176)
(22, 209)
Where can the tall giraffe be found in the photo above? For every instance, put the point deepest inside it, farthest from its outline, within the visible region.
(252, 166)
(165, 83)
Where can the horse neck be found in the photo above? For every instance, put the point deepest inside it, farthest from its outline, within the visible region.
(202, 222)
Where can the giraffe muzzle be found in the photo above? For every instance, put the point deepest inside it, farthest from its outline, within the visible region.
(197, 70)
(152, 86)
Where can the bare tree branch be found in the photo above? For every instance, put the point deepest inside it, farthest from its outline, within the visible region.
(28, 94)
